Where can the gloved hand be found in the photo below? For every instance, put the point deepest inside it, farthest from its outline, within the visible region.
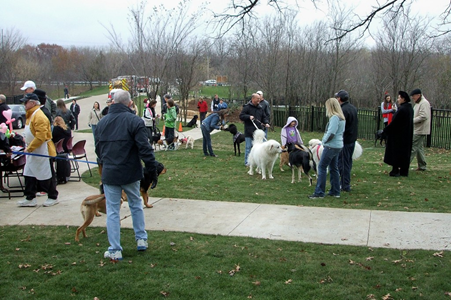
(153, 176)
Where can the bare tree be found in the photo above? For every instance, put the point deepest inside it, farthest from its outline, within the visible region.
(402, 47)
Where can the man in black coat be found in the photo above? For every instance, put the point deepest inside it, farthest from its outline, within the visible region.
(349, 139)
(253, 116)
(399, 137)
(121, 144)
(75, 109)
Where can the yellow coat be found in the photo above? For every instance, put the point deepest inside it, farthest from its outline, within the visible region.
(42, 132)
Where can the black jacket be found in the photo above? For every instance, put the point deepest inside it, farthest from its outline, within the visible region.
(260, 118)
(59, 133)
(121, 144)
(399, 137)
(75, 109)
(3, 107)
(351, 127)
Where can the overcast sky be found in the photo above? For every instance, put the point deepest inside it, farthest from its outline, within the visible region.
(82, 22)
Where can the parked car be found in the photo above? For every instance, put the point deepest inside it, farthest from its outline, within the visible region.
(210, 82)
(18, 114)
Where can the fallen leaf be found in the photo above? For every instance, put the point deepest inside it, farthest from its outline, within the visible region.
(288, 281)
(67, 243)
(172, 243)
(438, 254)
(232, 272)
(164, 293)
(371, 297)
(387, 297)
(323, 264)
(398, 290)
(191, 238)
(369, 258)
(256, 282)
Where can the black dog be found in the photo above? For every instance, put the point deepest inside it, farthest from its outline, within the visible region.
(380, 135)
(156, 136)
(302, 159)
(193, 122)
(238, 137)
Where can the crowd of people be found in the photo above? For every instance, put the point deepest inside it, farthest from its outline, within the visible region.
(406, 127)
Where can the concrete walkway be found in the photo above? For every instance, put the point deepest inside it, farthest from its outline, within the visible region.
(369, 228)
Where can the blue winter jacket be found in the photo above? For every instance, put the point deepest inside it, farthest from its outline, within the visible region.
(211, 122)
(121, 144)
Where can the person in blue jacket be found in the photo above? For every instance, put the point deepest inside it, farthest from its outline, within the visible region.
(213, 121)
(333, 143)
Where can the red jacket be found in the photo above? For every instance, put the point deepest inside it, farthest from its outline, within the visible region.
(202, 106)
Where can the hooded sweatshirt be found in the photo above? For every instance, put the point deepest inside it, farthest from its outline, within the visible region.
(290, 134)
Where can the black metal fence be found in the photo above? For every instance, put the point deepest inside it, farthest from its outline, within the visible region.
(314, 119)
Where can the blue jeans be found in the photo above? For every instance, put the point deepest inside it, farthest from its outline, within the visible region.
(329, 158)
(93, 128)
(206, 141)
(248, 141)
(345, 166)
(113, 218)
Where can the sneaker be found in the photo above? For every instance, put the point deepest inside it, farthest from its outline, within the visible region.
(115, 255)
(336, 196)
(50, 202)
(39, 194)
(315, 197)
(27, 203)
(213, 155)
(142, 245)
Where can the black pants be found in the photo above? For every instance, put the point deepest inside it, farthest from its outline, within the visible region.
(48, 186)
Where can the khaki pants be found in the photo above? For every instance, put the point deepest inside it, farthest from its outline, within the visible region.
(418, 151)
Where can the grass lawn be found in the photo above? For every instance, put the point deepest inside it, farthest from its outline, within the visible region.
(43, 262)
(191, 175)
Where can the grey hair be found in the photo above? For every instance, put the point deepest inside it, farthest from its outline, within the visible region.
(123, 97)
(2, 97)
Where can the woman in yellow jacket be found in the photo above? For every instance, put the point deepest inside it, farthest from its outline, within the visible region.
(38, 169)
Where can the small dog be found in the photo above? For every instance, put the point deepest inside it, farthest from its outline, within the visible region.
(238, 137)
(380, 135)
(300, 157)
(188, 140)
(193, 122)
(92, 205)
(156, 137)
(284, 158)
(316, 147)
(263, 155)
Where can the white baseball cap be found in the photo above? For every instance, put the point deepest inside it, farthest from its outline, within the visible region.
(28, 84)
(260, 93)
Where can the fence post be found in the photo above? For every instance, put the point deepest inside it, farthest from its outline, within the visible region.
(311, 118)
(429, 136)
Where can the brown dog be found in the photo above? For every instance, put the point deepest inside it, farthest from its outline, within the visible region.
(284, 158)
(90, 208)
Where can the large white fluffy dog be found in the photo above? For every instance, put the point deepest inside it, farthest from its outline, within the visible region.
(316, 147)
(263, 154)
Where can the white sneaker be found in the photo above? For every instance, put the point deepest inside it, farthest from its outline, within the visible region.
(39, 194)
(115, 255)
(50, 202)
(142, 245)
(27, 203)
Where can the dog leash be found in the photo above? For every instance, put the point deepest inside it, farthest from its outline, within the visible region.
(54, 157)
(265, 139)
